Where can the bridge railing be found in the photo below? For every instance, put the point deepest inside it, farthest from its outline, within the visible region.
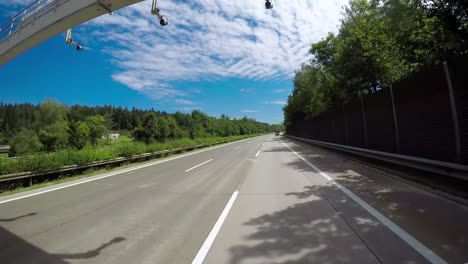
(17, 22)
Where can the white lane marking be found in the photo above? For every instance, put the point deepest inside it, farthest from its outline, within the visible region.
(115, 173)
(200, 257)
(194, 167)
(415, 244)
(258, 152)
(237, 148)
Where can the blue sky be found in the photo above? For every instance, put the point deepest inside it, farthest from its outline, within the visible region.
(219, 56)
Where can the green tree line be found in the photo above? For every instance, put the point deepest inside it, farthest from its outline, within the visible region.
(379, 42)
(51, 126)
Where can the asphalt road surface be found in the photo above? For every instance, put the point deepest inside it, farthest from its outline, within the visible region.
(261, 200)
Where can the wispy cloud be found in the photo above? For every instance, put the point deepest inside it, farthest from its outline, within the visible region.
(276, 102)
(280, 90)
(195, 90)
(247, 111)
(212, 39)
(22, 3)
(246, 91)
(184, 102)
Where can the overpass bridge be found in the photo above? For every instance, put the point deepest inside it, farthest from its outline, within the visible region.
(44, 19)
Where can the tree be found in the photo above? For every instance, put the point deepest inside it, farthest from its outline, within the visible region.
(49, 112)
(58, 126)
(97, 128)
(79, 134)
(54, 137)
(146, 131)
(452, 14)
(24, 143)
(174, 130)
(162, 129)
(380, 42)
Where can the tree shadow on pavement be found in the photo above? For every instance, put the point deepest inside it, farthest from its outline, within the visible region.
(402, 203)
(16, 250)
(309, 231)
(92, 253)
(12, 219)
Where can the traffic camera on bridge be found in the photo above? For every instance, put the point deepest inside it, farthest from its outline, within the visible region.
(155, 11)
(70, 41)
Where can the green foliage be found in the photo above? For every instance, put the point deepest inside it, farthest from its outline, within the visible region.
(49, 112)
(24, 143)
(53, 127)
(162, 129)
(54, 136)
(147, 130)
(97, 128)
(41, 162)
(379, 43)
(79, 134)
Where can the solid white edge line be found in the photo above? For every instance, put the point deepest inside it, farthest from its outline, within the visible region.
(237, 148)
(116, 173)
(258, 152)
(413, 242)
(201, 164)
(200, 257)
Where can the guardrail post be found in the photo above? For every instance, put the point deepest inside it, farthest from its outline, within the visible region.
(364, 121)
(453, 107)
(395, 121)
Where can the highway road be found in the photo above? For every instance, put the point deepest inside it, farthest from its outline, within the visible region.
(261, 200)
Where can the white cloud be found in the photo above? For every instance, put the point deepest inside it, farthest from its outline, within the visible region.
(249, 111)
(280, 90)
(212, 39)
(184, 102)
(276, 102)
(18, 2)
(246, 91)
(195, 90)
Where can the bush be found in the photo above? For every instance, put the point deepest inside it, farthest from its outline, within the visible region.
(130, 149)
(25, 142)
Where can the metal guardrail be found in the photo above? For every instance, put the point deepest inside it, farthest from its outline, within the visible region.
(440, 167)
(16, 22)
(10, 178)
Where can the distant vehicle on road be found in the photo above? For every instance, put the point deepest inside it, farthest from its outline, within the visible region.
(277, 133)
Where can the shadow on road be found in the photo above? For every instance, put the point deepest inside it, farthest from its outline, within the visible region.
(300, 234)
(16, 250)
(17, 217)
(92, 253)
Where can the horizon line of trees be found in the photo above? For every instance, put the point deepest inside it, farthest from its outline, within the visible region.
(51, 126)
(379, 42)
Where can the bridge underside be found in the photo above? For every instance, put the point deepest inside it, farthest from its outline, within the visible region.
(53, 19)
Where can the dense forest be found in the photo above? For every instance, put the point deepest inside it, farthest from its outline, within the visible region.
(51, 126)
(379, 43)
